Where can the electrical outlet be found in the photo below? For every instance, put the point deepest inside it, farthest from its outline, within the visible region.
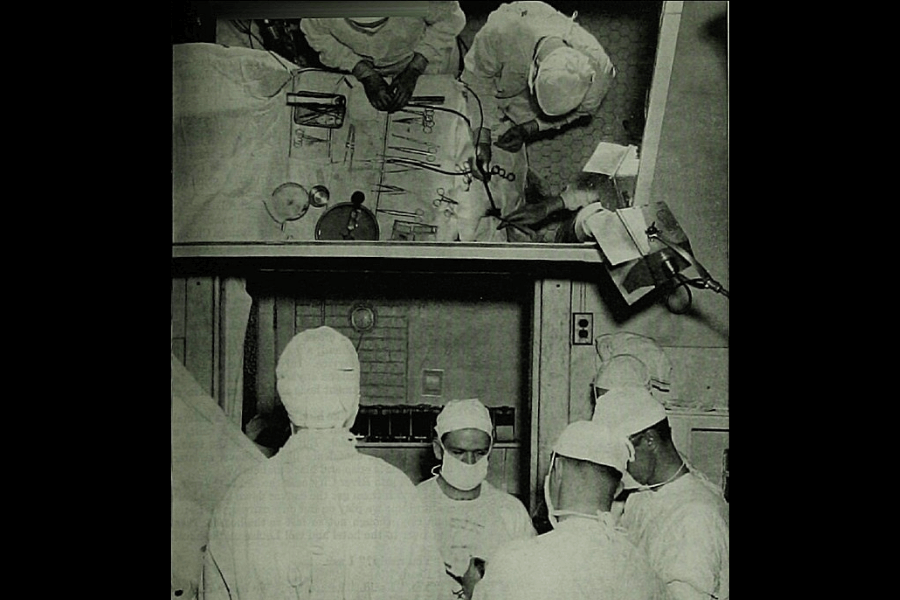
(582, 329)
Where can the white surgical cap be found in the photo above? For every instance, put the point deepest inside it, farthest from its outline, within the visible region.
(622, 371)
(562, 80)
(318, 379)
(628, 410)
(593, 442)
(644, 348)
(464, 414)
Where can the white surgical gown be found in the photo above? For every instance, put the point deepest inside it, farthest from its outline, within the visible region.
(580, 559)
(497, 64)
(683, 527)
(321, 521)
(390, 48)
(473, 528)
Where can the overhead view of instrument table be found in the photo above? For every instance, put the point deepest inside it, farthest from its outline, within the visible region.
(402, 176)
(266, 154)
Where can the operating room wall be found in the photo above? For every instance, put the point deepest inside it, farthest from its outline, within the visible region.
(691, 177)
(473, 329)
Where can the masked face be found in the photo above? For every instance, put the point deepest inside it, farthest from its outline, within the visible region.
(640, 466)
(464, 458)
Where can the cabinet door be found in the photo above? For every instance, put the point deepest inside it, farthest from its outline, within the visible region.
(703, 439)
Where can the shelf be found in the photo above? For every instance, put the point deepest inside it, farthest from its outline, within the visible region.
(497, 445)
(506, 251)
(698, 412)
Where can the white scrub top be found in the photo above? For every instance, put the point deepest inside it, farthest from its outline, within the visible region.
(580, 559)
(473, 528)
(497, 64)
(321, 520)
(390, 48)
(683, 527)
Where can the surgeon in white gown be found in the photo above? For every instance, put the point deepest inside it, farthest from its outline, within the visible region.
(471, 517)
(320, 519)
(676, 515)
(586, 556)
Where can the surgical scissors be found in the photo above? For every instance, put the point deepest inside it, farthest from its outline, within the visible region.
(427, 118)
(437, 202)
(498, 170)
(418, 215)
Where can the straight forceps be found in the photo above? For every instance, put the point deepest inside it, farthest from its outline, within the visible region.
(350, 145)
(429, 153)
(426, 117)
(388, 190)
(418, 141)
(418, 215)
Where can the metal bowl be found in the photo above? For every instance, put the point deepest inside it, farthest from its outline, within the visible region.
(319, 195)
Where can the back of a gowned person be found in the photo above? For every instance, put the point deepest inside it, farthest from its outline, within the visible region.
(320, 520)
(575, 561)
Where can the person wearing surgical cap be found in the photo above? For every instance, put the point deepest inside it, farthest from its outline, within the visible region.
(675, 514)
(586, 555)
(320, 519)
(402, 48)
(471, 517)
(623, 370)
(536, 69)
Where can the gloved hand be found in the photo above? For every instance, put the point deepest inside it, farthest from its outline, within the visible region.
(482, 162)
(517, 135)
(404, 84)
(529, 214)
(472, 576)
(376, 87)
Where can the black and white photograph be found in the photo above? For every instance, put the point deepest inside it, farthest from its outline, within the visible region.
(450, 300)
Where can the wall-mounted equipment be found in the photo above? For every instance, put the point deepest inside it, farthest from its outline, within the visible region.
(362, 318)
(432, 382)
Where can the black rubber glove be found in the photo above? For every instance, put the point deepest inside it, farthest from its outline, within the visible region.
(529, 214)
(482, 163)
(376, 87)
(404, 84)
(517, 135)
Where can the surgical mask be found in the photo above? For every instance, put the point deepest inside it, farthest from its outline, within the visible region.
(463, 476)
